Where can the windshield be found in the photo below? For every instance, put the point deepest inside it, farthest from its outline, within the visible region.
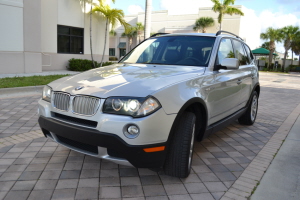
(173, 50)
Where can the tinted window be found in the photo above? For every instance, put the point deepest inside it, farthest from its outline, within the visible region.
(112, 52)
(240, 53)
(225, 50)
(173, 50)
(69, 40)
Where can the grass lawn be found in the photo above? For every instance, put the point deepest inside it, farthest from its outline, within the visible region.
(28, 81)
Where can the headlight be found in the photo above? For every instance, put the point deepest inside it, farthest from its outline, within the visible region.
(47, 93)
(133, 106)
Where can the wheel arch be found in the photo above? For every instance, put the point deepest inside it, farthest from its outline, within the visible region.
(197, 106)
(257, 89)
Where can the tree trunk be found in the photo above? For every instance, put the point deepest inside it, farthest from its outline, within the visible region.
(270, 58)
(292, 57)
(284, 59)
(139, 32)
(203, 30)
(147, 28)
(287, 46)
(91, 36)
(220, 26)
(106, 26)
(130, 43)
(272, 49)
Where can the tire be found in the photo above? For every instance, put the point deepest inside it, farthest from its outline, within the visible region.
(248, 118)
(179, 159)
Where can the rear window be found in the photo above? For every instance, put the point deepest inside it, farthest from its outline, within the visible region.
(173, 50)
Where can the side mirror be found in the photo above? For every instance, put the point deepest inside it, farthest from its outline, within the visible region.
(230, 63)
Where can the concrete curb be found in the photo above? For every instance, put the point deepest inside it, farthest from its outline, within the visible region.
(249, 179)
(21, 91)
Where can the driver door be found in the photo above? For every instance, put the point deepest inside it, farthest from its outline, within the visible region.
(223, 95)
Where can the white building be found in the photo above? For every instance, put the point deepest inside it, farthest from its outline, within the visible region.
(244, 26)
(42, 35)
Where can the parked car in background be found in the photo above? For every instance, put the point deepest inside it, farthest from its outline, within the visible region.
(147, 110)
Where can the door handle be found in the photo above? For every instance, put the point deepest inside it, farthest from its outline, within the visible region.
(208, 89)
(239, 82)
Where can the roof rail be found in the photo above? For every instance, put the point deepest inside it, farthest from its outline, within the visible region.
(156, 34)
(219, 33)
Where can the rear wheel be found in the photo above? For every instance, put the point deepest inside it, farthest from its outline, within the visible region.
(179, 159)
(248, 118)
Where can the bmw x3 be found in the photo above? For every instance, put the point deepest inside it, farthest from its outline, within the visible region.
(148, 109)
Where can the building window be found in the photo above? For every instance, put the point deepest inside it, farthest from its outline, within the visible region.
(69, 40)
(122, 52)
(112, 52)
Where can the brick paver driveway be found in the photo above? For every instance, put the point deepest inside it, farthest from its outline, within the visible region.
(32, 167)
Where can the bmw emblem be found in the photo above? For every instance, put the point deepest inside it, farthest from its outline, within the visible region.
(79, 88)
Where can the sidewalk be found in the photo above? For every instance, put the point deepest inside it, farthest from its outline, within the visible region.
(282, 179)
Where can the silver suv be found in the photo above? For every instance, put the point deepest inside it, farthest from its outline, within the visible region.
(147, 110)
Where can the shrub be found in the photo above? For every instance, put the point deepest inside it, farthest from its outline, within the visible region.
(83, 64)
(291, 68)
(113, 58)
(106, 64)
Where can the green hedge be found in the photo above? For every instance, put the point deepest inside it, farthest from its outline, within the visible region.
(84, 64)
(293, 68)
(112, 58)
(272, 67)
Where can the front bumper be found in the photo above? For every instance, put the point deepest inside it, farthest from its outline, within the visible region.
(102, 144)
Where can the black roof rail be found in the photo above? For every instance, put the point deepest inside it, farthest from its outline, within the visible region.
(156, 34)
(219, 33)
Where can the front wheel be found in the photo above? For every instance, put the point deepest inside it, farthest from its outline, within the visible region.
(248, 118)
(179, 159)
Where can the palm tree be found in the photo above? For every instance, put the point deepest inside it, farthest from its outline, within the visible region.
(91, 46)
(139, 28)
(272, 35)
(112, 33)
(202, 23)
(112, 16)
(289, 33)
(148, 8)
(101, 2)
(225, 8)
(296, 47)
(266, 45)
(130, 34)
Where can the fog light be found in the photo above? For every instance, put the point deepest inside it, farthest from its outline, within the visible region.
(131, 131)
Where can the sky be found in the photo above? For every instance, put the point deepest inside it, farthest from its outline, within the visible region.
(271, 13)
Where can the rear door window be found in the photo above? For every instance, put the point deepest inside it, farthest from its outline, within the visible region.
(249, 53)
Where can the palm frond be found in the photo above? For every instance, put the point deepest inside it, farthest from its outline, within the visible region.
(203, 23)
(216, 2)
(228, 2)
(113, 15)
(232, 10)
(112, 33)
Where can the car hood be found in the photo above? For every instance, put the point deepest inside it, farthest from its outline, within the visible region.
(139, 80)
